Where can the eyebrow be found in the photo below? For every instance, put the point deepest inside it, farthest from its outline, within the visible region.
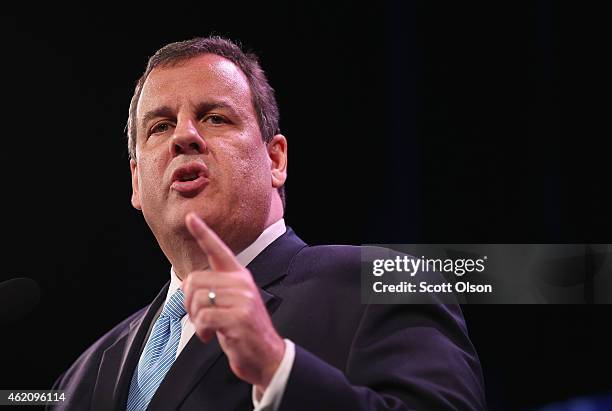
(164, 111)
(200, 109)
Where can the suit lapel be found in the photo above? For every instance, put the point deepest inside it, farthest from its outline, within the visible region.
(273, 262)
(121, 358)
(197, 358)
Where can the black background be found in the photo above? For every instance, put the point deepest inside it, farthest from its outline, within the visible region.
(420, 122)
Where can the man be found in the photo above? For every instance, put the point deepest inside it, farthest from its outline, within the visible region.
(277, 324)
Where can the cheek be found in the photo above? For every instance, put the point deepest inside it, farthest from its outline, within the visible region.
(244, 165)
(150, 177)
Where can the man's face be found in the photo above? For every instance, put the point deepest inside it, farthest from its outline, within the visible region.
(199, 148)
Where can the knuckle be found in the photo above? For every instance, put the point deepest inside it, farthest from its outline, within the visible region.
(247, 294)
(203, 318)
(198, 295)
(202, 334)
(243, 313)
(242, 279)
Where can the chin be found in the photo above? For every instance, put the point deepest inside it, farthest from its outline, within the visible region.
(177, 217)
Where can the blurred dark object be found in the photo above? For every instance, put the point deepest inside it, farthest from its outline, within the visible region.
(18, 297)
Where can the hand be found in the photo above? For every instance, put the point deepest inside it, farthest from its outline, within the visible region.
(239, 317)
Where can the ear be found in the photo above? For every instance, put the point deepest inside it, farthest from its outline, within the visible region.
(135, 191)
(277, 151)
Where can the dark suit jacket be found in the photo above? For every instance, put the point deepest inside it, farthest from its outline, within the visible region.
(349, 356)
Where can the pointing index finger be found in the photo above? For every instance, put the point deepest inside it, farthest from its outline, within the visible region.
(220, 257)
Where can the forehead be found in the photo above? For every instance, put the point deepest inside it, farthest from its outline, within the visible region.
(202, 78)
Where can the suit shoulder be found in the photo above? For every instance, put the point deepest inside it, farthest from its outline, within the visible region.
(342, 254)
(343, 261)
(341, 264)
(329, 255)
(90, 359)
(120, 329)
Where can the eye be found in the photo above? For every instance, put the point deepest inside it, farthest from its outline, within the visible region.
(215, 119)
(160, 128)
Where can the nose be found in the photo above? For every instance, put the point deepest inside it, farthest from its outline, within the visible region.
(186, 139)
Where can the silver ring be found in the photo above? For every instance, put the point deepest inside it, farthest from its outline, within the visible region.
(212, 297)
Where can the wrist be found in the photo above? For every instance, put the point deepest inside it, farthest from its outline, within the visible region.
(278, 352)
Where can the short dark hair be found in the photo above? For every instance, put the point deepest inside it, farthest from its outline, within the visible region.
(264, 101)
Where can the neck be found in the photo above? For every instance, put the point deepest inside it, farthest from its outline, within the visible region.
(186, 256)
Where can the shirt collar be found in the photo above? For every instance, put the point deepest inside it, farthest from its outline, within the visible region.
(267, 237)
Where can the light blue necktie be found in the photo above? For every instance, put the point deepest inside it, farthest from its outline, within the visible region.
(158, 354)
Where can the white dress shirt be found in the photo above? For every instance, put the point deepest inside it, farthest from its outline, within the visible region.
(271, 398)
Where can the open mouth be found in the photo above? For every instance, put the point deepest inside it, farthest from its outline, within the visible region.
(190, 179)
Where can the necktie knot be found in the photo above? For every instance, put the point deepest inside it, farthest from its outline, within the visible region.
(175, 308)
